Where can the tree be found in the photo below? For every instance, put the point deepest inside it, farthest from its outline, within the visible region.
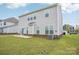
(77, 30)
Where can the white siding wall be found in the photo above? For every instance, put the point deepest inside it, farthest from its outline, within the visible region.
(13, 29)
(54, 19)
(60, 20)
(9, 28)
(7, 24)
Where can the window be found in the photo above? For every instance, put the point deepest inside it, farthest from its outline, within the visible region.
(31, 18)
(4, 23)
(28, 19)
(34, 17)
(46, 30)
(27, 30)
(37, 31)
(51, 31)
(46, 15)
(22, 31)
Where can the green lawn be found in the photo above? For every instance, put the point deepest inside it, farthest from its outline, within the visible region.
(10, 45)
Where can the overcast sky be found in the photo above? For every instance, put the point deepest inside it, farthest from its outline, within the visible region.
(70, 11)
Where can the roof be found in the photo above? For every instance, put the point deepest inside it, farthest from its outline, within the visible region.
(0, 20)
(54, 5)
(12, 19)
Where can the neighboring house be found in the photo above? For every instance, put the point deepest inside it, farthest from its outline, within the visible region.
(68, 29)
(9, 25)
(46, 21)
(72, 30)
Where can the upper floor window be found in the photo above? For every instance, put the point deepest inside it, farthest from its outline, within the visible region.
(46, 15)
(28, 19)
(34, 17)
(31, 18)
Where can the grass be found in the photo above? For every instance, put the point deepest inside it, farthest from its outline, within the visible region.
(66, 45)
